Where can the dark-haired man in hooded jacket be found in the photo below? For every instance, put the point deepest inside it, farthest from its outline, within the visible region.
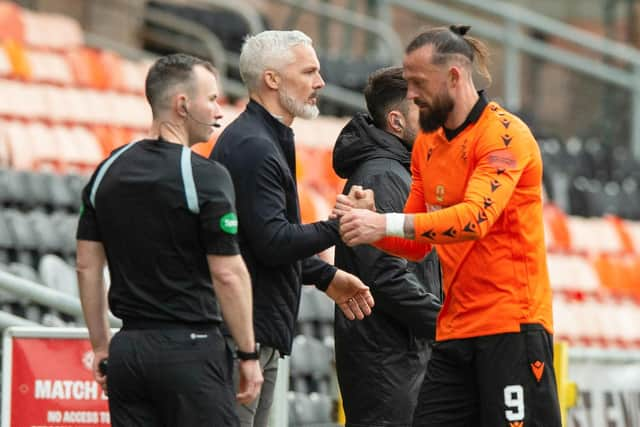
(382, 359)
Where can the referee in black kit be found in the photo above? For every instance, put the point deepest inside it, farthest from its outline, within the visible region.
(164, 220)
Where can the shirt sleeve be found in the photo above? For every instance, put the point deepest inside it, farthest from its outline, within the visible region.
(500, 163)
(317, 272)
(216, 199)
(88, 221)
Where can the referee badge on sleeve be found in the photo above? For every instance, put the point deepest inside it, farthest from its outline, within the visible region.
(229, 223)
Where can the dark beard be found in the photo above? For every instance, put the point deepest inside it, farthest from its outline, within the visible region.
(432, 119)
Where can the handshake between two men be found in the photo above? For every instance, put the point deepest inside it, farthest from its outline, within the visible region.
(359, 222)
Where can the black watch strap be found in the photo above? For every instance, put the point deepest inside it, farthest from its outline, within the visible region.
(254, 355)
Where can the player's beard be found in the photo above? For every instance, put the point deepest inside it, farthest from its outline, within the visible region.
(298, 108)
(433, 116)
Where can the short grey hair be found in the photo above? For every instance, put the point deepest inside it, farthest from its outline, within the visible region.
(268, 50)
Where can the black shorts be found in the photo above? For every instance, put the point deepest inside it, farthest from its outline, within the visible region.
(176, 377)
(504, 380)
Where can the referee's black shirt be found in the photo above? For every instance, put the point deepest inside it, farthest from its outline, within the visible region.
(155, 239)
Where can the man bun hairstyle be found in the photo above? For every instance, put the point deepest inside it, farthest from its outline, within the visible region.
(453, 42)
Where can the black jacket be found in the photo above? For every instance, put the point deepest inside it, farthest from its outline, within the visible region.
(259, 152)
(380, 360)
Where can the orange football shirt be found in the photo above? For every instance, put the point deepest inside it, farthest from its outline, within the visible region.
(478, 199)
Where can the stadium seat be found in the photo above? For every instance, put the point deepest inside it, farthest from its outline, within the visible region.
(324, 314)
(307, 311)
(76, 183)
(25, 241)
(133, 76)
(590, 235)
(555, 228)
(6, 241)
(38, 188)
(619, 273)
(11, 23)
(5, 63)
(61, 197)
(49, 67)
(633, 230)
(571, 272)
(87, 68)
(57, 274)
(16, 53)
(46, 30)
(48, 239)
(17, 188)
(301, 413)
(322, 407)
(44, 146)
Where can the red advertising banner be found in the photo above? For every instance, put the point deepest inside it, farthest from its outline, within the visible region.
(52, 384)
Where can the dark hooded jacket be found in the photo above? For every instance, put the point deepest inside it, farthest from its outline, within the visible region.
(382, 359)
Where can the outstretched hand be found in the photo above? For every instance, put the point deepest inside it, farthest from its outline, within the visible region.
(351, 295)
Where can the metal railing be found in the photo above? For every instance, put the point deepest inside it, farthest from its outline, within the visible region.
(375, 27)
(510, 34)
(42, 295)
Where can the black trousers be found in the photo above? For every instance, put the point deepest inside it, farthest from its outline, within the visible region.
(504, 380)
(171, 377)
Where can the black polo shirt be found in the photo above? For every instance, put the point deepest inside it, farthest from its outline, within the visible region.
(159, 209)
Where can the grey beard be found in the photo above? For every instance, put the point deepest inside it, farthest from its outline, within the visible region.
(296, 108)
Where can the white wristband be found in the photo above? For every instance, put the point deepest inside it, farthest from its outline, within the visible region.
(395, 224)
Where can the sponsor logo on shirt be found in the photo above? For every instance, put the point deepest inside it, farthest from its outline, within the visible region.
(502, 159)
(229, 223)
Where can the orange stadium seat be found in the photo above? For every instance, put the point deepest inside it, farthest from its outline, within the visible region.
(111, 61)
(619, 273)
(556, 228)
(18, 58)
(632, 230)
(11, 23)
(111, 137)
(87, 68)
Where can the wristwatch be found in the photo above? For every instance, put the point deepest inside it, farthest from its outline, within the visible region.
(254, 355)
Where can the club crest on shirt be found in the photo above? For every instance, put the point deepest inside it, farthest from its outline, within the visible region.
(440, 193)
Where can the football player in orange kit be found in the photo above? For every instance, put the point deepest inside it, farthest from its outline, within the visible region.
(477, 196)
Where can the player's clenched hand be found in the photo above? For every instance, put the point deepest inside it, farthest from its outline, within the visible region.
(360, 226)
(250, 381)
(351, 295)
